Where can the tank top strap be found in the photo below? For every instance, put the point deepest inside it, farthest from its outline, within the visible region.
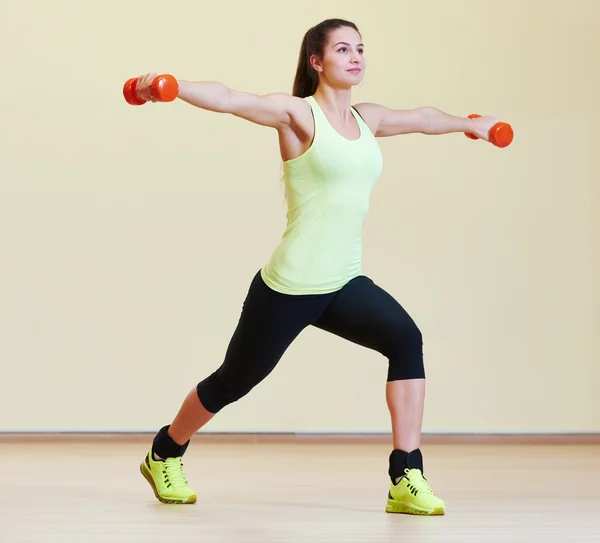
(360, 120)
(318, 114)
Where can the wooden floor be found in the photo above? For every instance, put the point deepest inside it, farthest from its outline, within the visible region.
(92, 491)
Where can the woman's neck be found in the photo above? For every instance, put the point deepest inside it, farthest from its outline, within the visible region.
(336, 102)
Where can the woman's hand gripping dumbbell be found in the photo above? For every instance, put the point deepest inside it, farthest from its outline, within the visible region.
(150, 88)
(489, 129)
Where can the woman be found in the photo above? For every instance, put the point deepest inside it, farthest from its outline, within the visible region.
(331, 161)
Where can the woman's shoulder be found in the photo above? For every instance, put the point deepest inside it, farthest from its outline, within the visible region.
(294, 105)
(372, 114)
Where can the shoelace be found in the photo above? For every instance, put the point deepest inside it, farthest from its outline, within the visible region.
(173, 471)
(415, 479)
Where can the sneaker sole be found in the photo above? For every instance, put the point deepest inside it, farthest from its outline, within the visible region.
(394, 506)
(148, 476)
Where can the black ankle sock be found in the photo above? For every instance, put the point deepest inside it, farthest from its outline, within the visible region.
(400, 460)
(165, 447)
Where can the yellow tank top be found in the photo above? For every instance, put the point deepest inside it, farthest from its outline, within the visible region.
(327, 190)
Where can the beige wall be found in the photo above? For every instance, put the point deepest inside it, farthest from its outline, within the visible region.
(129, 235)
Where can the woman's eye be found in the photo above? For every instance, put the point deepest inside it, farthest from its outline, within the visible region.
(345, 49)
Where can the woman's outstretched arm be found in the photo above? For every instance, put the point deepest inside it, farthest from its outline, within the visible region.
(428, 120)
(274, 110)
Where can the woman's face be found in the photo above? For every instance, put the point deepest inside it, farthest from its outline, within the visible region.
(343, 63)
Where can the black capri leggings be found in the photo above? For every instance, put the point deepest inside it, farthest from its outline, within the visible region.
(360, 312)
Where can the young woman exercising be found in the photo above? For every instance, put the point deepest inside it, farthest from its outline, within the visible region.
(331, 161)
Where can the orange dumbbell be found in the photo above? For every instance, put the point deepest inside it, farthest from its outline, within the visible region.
(501, 134)
(164, 89)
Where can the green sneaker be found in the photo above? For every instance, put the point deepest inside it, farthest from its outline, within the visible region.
(413, 496)
(167, 480)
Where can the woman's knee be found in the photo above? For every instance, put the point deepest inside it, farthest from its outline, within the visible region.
(406, 356)
(222, 388)
(213, 394)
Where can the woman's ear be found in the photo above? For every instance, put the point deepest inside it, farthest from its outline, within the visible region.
(315, 62)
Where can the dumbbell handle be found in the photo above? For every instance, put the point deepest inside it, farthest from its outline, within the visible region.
(501, 134)
(164, 89)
